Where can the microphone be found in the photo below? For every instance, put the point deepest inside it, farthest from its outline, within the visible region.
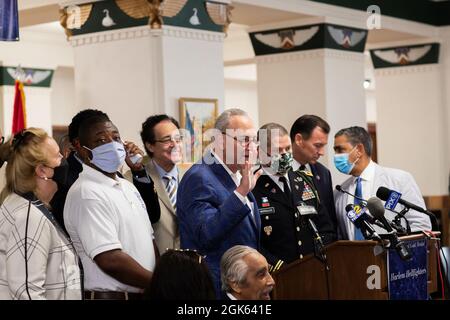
(339, 188)
(308, 212)
(369, 217)
(377, 209)
(393, 197)
(358, 216)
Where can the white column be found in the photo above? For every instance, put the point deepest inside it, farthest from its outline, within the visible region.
(135, 72)
(325, 82)
(445, 85)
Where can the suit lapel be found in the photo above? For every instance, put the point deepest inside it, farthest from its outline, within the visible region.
(223, 176)
(257, 221)
(159, 186)
(296, 188)
(317, 179)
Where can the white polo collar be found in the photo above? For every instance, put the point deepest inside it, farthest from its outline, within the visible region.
(98, 176)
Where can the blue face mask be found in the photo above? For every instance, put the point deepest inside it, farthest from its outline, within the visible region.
(109, 156)
(342, 163)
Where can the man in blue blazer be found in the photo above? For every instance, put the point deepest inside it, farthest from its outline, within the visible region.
(215, 207)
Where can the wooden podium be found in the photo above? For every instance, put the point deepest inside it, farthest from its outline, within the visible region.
(350, 265)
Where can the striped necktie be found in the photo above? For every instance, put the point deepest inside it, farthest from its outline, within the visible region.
(358, 193)
(171, 188)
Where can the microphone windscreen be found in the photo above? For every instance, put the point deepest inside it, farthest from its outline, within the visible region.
(349, 207)
(375, 206)
(338, 187)
(383, 193)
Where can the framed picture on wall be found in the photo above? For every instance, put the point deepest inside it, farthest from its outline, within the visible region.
(197, 116)
(61, 136)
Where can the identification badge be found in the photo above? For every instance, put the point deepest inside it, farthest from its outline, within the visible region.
(306, 210)
(270, 210)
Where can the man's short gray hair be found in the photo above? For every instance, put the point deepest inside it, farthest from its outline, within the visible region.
(223, 120)
(233, 269)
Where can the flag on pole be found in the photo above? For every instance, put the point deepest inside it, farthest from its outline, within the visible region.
(19, 115)
(9, 20)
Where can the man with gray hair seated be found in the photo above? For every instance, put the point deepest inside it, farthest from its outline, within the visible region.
(245, 274)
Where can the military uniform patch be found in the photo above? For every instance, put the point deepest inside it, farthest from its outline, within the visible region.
(307, 194)
(268, 230)
(308, 173)
(298, 179)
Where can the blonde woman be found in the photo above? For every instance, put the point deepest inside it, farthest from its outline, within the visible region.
(37, 259)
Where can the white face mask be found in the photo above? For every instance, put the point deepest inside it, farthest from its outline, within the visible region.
(109, 156)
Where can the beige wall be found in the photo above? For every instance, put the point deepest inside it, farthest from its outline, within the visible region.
(410, 125)
(242, 94)
(63, 105)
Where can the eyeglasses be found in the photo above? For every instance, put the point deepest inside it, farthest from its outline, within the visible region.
(168, 140)
(190, 252)
(244, 140)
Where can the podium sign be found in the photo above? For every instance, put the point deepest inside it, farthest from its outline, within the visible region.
(407, 280)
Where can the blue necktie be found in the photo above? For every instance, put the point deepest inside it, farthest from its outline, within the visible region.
(358, 193)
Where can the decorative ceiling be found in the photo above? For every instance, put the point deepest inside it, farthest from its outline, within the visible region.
(432, 12)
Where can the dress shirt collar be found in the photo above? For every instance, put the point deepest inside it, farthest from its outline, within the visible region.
(235, 176)
(276, 177)
(296, 165)
(229, 295)
(368, 173)
(173, 173)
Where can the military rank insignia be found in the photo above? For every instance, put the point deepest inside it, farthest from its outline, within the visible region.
(268, 230)
(265, 202)
(308, 173)
(307, 194)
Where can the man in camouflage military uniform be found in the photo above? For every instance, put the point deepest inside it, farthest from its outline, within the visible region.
(286, 199)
